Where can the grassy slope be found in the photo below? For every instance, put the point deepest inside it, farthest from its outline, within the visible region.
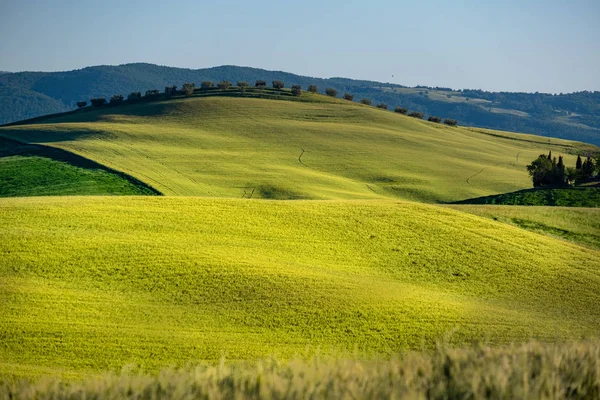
(92, 283)
(579, 225)
(234, 147)
(41, 176)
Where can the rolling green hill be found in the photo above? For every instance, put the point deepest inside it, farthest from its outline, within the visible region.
(574, 116)
(93, 283)
(313, 148)
(33, 170)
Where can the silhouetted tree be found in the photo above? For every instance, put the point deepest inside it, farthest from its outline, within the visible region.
(170, 90)
(366, 102)
(559, 173)
(435, 119)
(152, 93)
(224, 85)
(260, 84)
(450, 122)
(116, 99)
(587, 168)
(382, 106)
(416, 114)
(133, 96)
(401, 110)
(540, 170)
(100, 101)
(188, 88)
(348, 97)
(206, 85)
(313, 89)
(81, 104)
(243, 85)
(278, 85)
(578, 164)
(331, 92)
(296, 90)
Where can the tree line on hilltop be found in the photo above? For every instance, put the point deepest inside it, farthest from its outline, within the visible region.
(188, 89)
(548, 171)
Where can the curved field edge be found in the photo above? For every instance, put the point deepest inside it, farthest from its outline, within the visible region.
(578, 225)
(562, 197)
(533, 370)
(316, 148)
(38, 170)
(95, 283)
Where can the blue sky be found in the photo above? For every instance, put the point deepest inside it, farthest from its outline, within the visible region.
(526, 45)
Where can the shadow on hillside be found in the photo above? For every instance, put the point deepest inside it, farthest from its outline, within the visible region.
(578, 196)
(41, 135)
(10, 147)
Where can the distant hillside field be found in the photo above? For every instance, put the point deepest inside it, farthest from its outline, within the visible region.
(90, 284)
(574, 116)
(313, 148)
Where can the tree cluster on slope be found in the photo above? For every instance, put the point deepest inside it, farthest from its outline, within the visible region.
(548, 171)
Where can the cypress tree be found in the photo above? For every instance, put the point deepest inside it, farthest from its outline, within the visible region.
(550, 155)
(578, 164)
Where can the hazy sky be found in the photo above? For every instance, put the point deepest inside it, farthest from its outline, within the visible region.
(511, 45)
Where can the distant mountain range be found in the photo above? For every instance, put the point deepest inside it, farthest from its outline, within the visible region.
(574, 116)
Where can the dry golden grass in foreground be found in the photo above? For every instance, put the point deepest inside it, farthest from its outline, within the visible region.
(527, 371)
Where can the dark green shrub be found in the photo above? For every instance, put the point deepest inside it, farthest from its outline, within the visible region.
(100, 101)
(296, 90)
(133, 96)
(331, 92)
(401, 110)
(435, 119)
(81, 104)
(382, 106)
(170, 90)
(188, 88)
(313, 89)
(366, 102)
(206, 85)
(260, 84)
(348, 97)
(278, 85)
(152, 93)
(243, 85)
(116, 99)
(224, 85)
(450, 122)
(416, 114)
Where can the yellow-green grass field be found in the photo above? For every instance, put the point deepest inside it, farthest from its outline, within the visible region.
(578, 225)
(89, 284)
(317, 148)
(566, 370)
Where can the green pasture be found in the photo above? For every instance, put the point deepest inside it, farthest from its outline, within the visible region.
(578, 225)
(315, 148)
(89, 284)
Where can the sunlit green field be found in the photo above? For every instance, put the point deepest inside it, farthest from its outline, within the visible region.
(89, 284)
(578, 225)
(318, 148)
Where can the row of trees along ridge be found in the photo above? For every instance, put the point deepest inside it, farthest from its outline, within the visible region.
(188, 89)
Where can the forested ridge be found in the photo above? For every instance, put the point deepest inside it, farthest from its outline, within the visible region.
(574, 116)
